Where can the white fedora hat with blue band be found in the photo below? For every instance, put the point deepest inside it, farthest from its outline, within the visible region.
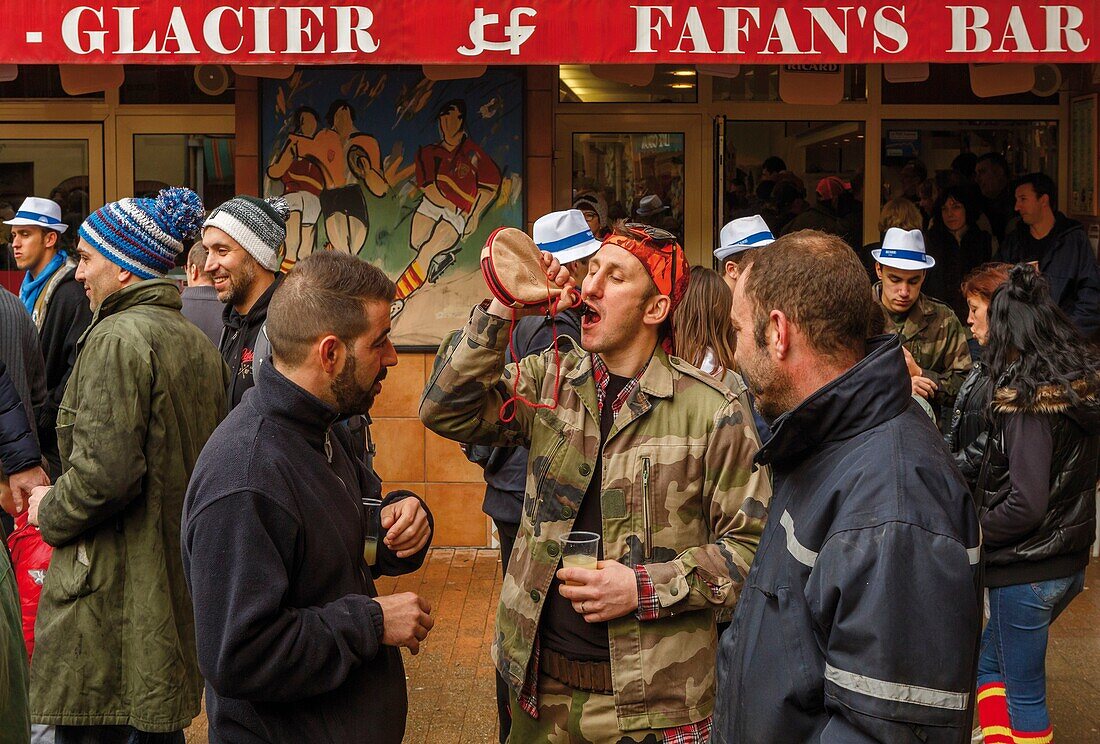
(566, 235)
(743, 234)
(903, 249)
(39, 212)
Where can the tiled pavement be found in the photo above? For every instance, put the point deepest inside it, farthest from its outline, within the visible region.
(451, 685)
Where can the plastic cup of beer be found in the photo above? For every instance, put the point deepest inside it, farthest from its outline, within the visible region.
(372, 528)
(580, 550)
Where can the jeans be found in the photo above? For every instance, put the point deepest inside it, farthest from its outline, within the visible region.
(112, 735)
(1014, 644)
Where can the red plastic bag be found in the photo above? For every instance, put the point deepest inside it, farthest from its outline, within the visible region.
(30, 557)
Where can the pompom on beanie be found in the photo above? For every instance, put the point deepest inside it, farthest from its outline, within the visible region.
(144, 236)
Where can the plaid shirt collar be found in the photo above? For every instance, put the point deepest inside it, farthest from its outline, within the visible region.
(601, 374)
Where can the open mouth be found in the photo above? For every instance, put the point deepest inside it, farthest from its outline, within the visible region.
(589, 317)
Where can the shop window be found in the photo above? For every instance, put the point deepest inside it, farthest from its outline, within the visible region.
(166, 84)
(38, 81)
(198, 161)
(920, 159)
(637, 176)
(761, 83)
(781, 170)
(950, 84)
(53, 168)
(670, 84)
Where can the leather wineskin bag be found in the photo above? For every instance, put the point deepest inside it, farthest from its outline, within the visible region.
(513, 270)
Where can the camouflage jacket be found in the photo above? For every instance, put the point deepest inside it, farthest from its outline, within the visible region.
(937, 340)
(679, 495)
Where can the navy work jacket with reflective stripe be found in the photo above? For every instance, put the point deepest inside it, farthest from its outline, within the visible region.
(860, 618)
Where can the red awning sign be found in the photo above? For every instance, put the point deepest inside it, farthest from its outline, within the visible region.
(553, 32)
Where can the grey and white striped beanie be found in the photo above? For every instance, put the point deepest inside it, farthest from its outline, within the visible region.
(259, 225)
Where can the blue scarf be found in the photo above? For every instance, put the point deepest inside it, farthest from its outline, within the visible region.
(32, 287)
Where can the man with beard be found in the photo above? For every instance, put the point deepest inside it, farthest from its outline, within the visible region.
(243, 238)
(859, 619)
(638, 447)
(293, 641)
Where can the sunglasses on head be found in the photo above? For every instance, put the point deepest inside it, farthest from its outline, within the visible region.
(652, 233)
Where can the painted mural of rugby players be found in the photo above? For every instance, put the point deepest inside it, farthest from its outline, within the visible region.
(459, 181)
(303, 181)
(347, 158)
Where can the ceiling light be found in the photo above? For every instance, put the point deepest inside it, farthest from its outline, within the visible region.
(684, 73)
(682, 85)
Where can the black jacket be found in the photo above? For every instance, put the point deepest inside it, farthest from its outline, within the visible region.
(506, 467)
(18, 448)
(954, 260)
(67, 316)
(1037, 488)
(1070, 267)
(970, 421)
(859, 619)
(289, 637)
(238, 342)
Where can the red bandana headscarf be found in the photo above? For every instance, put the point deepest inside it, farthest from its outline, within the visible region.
(664, 261)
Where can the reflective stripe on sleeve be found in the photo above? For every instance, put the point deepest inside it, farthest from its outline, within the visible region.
(896, 692)
(801, 553)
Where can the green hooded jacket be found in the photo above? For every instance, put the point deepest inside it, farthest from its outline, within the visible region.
(115, 630)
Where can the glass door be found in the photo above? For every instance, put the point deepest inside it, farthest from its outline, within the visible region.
(155, 152)
(63, 162)
(641, 168)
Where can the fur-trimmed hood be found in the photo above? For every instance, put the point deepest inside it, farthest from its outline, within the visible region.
(1054, 399)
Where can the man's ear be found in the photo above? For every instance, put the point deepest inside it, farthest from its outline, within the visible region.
(50, 238)
(330, 353)
(124, 276)
(732, 270)
(657, 310)
(878, 271)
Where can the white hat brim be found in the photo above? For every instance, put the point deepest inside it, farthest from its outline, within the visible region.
(904, 263)
(59, 228)
(584, 250)
(731, 250)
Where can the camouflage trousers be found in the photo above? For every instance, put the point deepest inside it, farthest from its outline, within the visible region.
(568, 716)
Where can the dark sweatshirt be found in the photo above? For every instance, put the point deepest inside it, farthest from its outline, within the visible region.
(238, 342)
(289, 637)
(68, 315)
(1066, 259)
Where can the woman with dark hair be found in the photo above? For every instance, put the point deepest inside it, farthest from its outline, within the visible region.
(957, 244)
(1036, 492)
(969, 425)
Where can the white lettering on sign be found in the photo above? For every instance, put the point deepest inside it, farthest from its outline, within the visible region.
(889, 24)
(310, 29)
(837, 36)
(212, 25)
(646, 29)
(1059, 28)
(346, 30)
(515, 32)
(735, 29)
(781, 31)
(970, 32)
(695, 33)
(74, 38)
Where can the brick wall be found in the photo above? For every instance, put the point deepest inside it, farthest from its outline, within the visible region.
(409, 456)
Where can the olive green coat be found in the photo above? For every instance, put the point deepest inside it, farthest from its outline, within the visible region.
(115, 631)
(15, 726)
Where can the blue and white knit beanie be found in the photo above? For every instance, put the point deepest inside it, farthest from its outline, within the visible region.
(144, 236)
(258, 225)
